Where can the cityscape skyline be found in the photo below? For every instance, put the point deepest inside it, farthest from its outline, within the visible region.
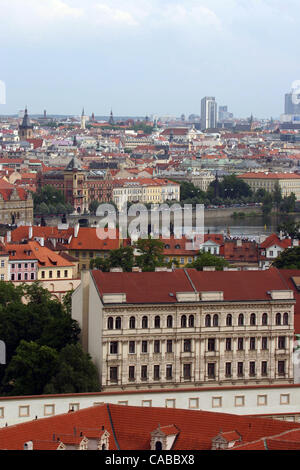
(148, 57)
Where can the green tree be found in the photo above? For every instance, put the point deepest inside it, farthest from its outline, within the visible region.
(75, 373)
(267, 204)
(31, 367)
(288, 204)
(207, 259)
(150, 254)
(94, 206)
(288, 259)
(43, 209)
(121, 258)
(290, 228)
(277, 195)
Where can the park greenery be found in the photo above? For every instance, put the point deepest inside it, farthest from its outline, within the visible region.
(207, 259)
(50, 201)
(232, 190)
(43, 354)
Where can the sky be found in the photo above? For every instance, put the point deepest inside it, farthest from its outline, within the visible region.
(145, 57)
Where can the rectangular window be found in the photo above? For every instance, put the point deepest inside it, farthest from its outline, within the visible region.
(252, 369)
(211, 370)
(2, 412)
(264, 343)
(74, 406)
(124, 403)
(262, 400)
(144, 346)
(58, 274)
(240, 369)
(187, 371)
(187, 346)
(49, 410)
(19, 277)
(131, 347)
(25, 276)
(285, 399)
(169, 346)
(264, 368)
(211, 344)
(66, 273)
(281, 342)
(169, 371)
(24, 411)
(156, 346)
(32, 276)
(228, 344)
(26, 266)
(113, 374)
(2, 264)
(156, 372)
(240, 344)
(281, 367)
(147, 403)
(131, 372)
(50, 274)
(252, 344)
(43, 274)
(216, 402)
(114, 347)
(239, 400)
(2, 277)
(228, 369)
(144, 372)
(12, 278)
(170, 403)
(194, 403)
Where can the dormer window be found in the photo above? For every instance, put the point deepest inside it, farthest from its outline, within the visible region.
(104, 441)
(164, 437)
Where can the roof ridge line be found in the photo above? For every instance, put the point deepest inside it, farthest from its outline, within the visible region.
(190, 280)
(112, 426)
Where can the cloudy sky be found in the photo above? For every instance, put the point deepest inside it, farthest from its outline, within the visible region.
(143, 57)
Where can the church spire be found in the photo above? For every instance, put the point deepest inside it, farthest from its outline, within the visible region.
(111, 119)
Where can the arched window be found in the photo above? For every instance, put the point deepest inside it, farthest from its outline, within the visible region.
(110, 323)
(264, 319)
(132, 323)
(241, 319)
(229, 320)
(252, 319)
(169, 321)
(216, 320)
(191, 321)
(207, 321)
(157, 322)
(158, 445)
(145, 322)
(278, 318)
(183, 321)
(286, 319)
(118, 323)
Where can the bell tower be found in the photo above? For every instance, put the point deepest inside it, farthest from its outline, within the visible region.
(25, 129)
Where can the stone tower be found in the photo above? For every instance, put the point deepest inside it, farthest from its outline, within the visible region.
(25, 129)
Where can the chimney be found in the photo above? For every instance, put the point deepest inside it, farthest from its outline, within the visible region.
(209, 268)
(30, 232)
(76, 230)
(239, 243)
(28, 445)
(8, 237)
(42, 241)
(116, 270)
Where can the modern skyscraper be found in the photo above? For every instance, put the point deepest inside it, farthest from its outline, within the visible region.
(291, 107)
(208, 113)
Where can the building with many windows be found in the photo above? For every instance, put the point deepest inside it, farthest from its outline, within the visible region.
(288, 182)
(187, 328)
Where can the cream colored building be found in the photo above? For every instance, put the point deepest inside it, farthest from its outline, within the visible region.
(187, 328)
(288, 182)
(145, 191)
(16, 204)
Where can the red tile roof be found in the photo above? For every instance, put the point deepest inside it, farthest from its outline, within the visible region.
(130, 427)
(161, 287)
